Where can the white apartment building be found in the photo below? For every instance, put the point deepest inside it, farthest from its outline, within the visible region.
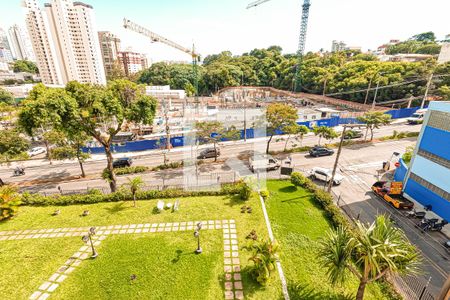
(70, 29)
(21, 44)
(43, 44)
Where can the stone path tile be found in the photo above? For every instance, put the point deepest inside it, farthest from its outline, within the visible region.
(35, 295)
(53, 287)
(239, 295)
(237, 276)
(45, 285)
(229, 295)
(238, 285)
(145, 229)
(44, 296)
(228, 285)
(61, 278)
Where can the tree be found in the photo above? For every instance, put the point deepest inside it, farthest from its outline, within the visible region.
(210, 132)
(25, 66)
(301, 131)
(135, 184)
(12, 144)
(70, 148)
(9, 202)
(330, 134)
(369, 253)
(6, 97)
(424, 37)
(278, 118)
(52, 138)
(407, 156)
(117, 71)
(100, 112)
(325, 132)
(373, 120)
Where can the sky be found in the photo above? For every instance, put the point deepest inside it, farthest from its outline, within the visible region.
(218, 25)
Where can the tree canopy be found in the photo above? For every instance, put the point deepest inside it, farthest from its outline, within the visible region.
(6, 97)
(345, 74)
(25, 66)
(99, 112)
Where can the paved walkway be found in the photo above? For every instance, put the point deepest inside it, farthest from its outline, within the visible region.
(232, 268)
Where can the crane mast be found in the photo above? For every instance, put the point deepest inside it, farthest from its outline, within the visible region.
(154, 37)
(302, 37)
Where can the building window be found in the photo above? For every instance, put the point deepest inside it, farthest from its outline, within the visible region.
(428, 185)
(434, 158)
(439, 120)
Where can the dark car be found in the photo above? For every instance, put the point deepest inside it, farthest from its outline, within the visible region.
(209, 153)
(353, 134)
(122, 162)
(320, 151)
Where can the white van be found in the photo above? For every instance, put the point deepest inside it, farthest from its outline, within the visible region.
(417, 117)
(263, 162)
(323, 174)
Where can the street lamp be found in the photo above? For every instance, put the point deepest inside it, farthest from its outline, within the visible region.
(88, 238)
(197, 235)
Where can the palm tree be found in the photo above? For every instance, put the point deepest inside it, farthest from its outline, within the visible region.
(264, 257)
(135, 184)
(369, 253)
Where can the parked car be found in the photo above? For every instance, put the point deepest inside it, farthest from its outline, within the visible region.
(353, 134)
(122, 162)
(36, 151)
(323, 174)
(320, 151)
(263, 162)
(209, 153)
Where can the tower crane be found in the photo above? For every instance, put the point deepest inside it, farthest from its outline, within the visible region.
(302, 37)
(158, 38)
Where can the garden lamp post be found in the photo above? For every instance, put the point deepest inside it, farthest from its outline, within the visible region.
(197, 235)
(88, 238)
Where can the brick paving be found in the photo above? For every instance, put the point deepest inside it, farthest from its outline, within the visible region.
(233, 287)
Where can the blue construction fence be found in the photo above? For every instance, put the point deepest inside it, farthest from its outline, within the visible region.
(178, 141)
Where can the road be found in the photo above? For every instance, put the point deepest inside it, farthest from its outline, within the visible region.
(61, 170)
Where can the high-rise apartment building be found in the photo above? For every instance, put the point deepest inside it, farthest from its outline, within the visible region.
(4, 40)
(132, 62)
(65, 42)
(21, 44)
(110, 48)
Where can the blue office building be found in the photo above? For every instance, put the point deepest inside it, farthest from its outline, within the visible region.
(427, 179)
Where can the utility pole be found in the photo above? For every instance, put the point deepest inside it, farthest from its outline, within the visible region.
(338, 154)
(376, 93)
(368, 90)
(426, 91)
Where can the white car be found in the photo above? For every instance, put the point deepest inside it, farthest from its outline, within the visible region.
(325, 175)
(36, 151)
(261, 162)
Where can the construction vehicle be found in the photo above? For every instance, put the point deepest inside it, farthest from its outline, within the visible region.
(301, 40)
(391, 192)
(158, 38)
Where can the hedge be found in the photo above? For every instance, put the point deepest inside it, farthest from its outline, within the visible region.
(322, 198)
(95, 196)
(130, 170)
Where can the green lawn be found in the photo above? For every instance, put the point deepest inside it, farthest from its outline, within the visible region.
(153, 244)
(298, 224)
(165, 266)
(26, 264)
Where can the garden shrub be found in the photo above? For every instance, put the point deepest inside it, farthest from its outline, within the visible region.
(95, 196)
(245, 191)
(130, 170)
(264, 193)
(264, 259)
(298, 179)
(172, 165)
(9, 202)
